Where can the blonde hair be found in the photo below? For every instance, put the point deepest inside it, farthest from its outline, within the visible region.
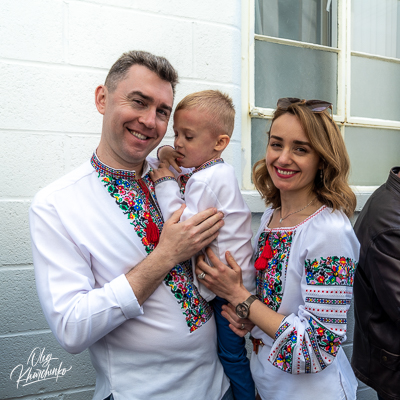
(325, 138)
(219, 106)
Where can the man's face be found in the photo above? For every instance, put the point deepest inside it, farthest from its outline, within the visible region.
(135, 118)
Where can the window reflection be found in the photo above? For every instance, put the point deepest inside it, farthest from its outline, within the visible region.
(301, 20)
(375, 27)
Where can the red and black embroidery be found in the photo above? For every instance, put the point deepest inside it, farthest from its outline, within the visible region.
(137, 200)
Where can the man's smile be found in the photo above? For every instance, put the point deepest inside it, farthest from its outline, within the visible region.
(137, 134)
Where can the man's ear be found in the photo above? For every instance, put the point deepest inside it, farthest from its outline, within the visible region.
(100, 95)
(222, 142)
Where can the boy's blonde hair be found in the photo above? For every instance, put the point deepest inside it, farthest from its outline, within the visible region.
(219, 106)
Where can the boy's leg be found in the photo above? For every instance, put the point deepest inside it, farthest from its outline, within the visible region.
(233, 355)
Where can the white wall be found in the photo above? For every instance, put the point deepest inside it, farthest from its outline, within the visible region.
(53, 54)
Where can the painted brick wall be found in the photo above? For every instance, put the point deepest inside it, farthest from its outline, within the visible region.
(53, 53)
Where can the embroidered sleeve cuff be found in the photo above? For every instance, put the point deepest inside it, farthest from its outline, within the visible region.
(164, 179)
(125, 297)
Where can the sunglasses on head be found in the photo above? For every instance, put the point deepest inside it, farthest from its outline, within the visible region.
(317, 106)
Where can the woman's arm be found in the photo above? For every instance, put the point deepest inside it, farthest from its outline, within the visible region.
(227, 283)
(308, 339)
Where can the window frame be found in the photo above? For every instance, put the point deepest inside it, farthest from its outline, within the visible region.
(343, 115)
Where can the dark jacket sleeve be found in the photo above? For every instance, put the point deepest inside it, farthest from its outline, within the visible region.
(384, 259)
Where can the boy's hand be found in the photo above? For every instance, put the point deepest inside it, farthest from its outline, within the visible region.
(168, 155)
(160, 172)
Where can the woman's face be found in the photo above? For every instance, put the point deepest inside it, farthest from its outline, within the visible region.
(291, 161)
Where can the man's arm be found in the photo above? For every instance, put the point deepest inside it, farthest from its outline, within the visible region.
(178, 242)
(80, 311)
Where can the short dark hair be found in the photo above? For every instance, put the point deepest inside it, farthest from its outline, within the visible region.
(159, 65)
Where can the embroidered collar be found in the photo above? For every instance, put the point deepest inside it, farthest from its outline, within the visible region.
(208, 164)
(104, 169)
(183, 179)
(292, 228)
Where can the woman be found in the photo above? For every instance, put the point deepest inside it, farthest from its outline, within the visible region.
(305, 256)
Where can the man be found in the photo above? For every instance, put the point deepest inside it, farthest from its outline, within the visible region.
(376, 350)
(107, 280)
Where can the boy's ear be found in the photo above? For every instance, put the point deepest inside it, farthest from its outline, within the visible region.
(222, 142)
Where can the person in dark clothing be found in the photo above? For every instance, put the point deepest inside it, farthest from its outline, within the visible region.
(376, 350)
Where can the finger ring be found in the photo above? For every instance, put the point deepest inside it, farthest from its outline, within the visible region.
(202, 275)
(242, 327)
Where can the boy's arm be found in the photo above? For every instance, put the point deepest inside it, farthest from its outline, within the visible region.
(167, 193)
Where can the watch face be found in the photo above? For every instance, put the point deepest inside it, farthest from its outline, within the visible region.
(242, 310)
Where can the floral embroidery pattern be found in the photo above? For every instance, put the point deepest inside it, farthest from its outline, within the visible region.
(315, 347)
(284, 358)
(326, 339)
(131, 199)
(196, 310)
(269, 280)
(334, 270)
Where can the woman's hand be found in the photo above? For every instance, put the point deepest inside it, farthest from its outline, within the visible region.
(168, 155)
(238, 325)
(225, 282)
(161, 172)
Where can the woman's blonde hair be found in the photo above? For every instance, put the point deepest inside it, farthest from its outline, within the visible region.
(333, 189)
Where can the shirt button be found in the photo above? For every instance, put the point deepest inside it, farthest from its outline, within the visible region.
(384, 358)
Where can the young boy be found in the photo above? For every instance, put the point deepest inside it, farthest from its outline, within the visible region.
(203, 125)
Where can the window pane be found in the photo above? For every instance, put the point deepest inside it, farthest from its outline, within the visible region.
(302, 20)
(375, 27)
(286, 71)
(259, 129)
(375, 88)
(372, 153)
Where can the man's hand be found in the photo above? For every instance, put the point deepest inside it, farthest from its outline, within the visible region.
(161, 172)
(168, 156)
(178, 242)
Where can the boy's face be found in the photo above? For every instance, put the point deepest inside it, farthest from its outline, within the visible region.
(193, 138)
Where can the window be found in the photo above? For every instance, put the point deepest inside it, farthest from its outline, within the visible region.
(343, 51)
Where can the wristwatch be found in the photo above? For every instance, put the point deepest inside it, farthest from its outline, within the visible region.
(243, 309)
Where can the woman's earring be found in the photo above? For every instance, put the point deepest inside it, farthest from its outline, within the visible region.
(321, 174)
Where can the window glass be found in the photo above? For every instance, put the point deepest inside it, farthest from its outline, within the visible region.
(375, 27)
(287, 71)
(259, 138)
(301, 20)
(375, 88)
(372, 153)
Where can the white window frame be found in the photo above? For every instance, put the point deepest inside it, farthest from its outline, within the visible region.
(342, 117)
